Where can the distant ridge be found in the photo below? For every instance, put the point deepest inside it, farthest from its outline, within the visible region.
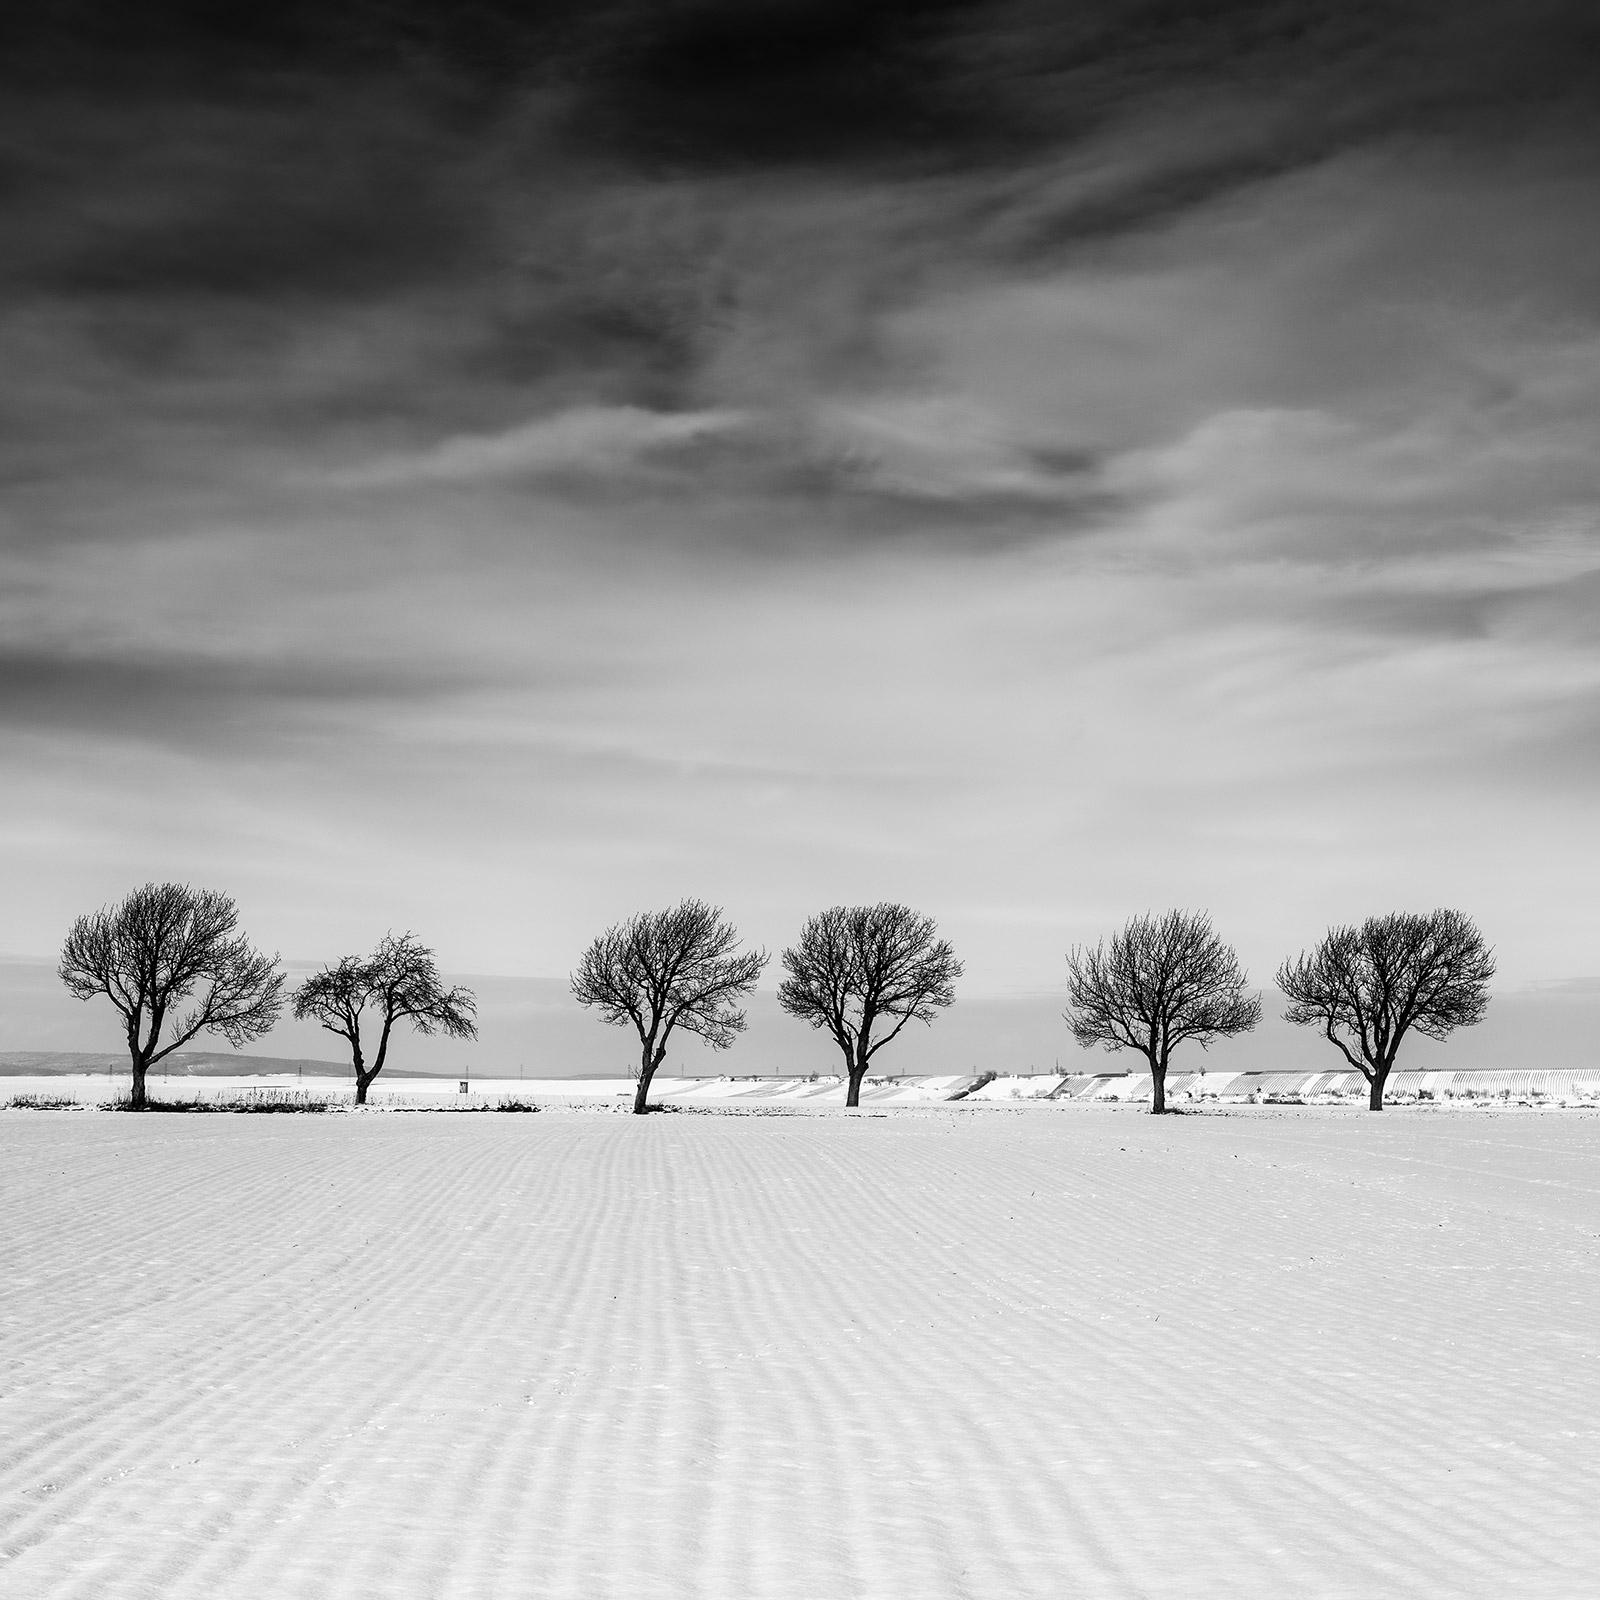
(224, 1064)
(182, 1064)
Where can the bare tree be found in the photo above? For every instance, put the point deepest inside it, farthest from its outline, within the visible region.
(164, 945)
(398, 982)
(856, 967)
(669, 969)
(1367, 987)
(1159, 981)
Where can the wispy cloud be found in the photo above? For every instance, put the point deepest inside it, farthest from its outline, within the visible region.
(585, 442)
(943, 449)
(888, 458)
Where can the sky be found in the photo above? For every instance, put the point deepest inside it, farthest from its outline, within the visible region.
(489, 475)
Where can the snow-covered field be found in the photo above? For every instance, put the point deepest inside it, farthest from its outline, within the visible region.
(923, 1352)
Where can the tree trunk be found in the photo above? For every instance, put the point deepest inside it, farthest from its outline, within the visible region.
(642, 1093)
(138, 1099)
(367, 1076)
(856, 1062)
(649, 1059)
(1375, 1084)
(1158, 1089)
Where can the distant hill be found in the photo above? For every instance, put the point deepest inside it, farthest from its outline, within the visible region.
(182, 1064)
(221, 1064)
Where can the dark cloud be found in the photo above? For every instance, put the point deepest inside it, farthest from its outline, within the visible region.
(327, 142)
(779, 83)
(185, 698)
(335, 198)
(235, 238)
(169, 47)
(1564, 613)
(158, 162)
(911, 86)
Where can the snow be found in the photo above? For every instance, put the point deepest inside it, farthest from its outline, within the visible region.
(903, 1354)
(93, 1089)
(1561, 1087)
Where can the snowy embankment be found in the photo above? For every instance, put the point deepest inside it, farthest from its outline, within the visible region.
(1556, 1088)
(463, 1094)
(1552, 1088)
(912, 1356)
(1564, 1087)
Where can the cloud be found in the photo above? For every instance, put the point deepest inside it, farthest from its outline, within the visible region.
(865, 467)
(939, 449)
(195, 698)
(587, 441)
(999, 453)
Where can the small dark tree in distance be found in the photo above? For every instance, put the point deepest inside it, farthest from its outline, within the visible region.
(398, 982)
(1159, 981)
(856, 967)
(167, 944)
(662, 970)
(1367, 987)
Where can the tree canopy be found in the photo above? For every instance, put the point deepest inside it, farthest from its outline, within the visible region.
(664, 970)
(398, 982)
(1153, 985)
(1405, 972)
(164, 945)
(856, 969)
